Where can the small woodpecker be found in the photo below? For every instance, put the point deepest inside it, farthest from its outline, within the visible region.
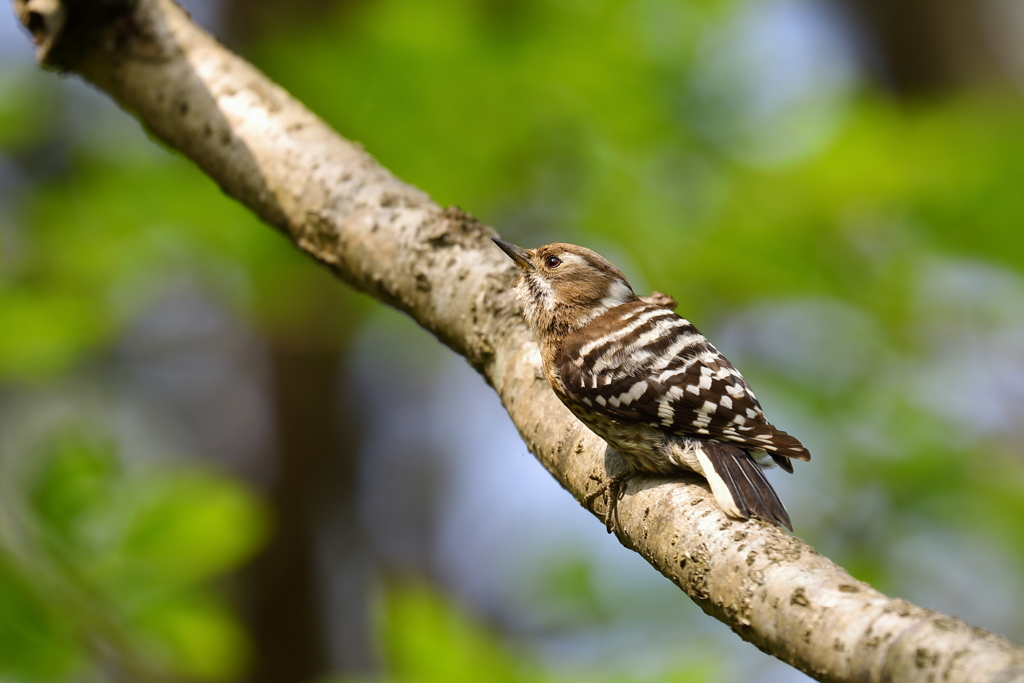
(647, 382)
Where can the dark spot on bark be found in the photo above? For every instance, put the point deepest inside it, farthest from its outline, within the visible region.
(389, 199)
(454, 226)
(900, 607)
(695, 583)
(265, 97)
(319, 237)
(980, 633)
(848, 588)
(422, 282)
(924, 658)
(225, 137)
(789, 551)
(953, 660)
(182, 108)
(800, 598)
(944, 624)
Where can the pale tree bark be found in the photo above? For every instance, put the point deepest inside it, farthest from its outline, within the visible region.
(438, 265)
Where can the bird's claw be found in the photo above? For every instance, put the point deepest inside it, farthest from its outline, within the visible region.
(612, 490)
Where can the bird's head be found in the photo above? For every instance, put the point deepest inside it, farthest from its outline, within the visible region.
(563, 287)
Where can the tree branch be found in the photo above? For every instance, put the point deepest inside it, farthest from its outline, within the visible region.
(390, 240)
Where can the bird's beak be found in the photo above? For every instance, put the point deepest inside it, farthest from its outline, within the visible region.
(517, 254)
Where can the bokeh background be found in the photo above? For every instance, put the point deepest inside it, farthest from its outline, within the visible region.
(219, 464)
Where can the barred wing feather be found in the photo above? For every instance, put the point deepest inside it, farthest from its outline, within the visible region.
(654, 367)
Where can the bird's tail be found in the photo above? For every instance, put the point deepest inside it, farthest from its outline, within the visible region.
(739, 486)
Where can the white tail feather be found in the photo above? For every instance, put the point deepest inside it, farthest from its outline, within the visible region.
(723, 496)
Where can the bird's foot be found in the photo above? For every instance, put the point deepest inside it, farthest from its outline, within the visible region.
(612, 490)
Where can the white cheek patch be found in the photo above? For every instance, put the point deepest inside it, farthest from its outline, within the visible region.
(618, 293)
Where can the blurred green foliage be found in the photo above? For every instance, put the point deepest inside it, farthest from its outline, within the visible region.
(26, 110)
(105, 241)
(573, 120)
(107, 572)
(427, 639)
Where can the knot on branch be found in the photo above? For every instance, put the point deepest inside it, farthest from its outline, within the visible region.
(45, 21)
(63, 29)
(455, 226)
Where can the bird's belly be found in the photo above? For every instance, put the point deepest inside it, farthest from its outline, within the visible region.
(644, 448)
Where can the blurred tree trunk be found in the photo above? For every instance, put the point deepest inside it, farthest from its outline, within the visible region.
(285, 616)
(301, 628)
(315, 480)
(921, 47)
(248, 20)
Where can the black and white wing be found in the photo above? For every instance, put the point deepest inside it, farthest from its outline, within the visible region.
(643, 363)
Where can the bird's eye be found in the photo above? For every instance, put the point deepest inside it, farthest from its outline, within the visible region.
(552, 261)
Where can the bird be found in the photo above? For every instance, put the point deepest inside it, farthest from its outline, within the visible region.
(648, 382)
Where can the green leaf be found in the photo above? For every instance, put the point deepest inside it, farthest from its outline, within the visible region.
(196, 635)
(44, 332)
(427, 640)
(36, 643)
(75, 483)
(187, 528)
